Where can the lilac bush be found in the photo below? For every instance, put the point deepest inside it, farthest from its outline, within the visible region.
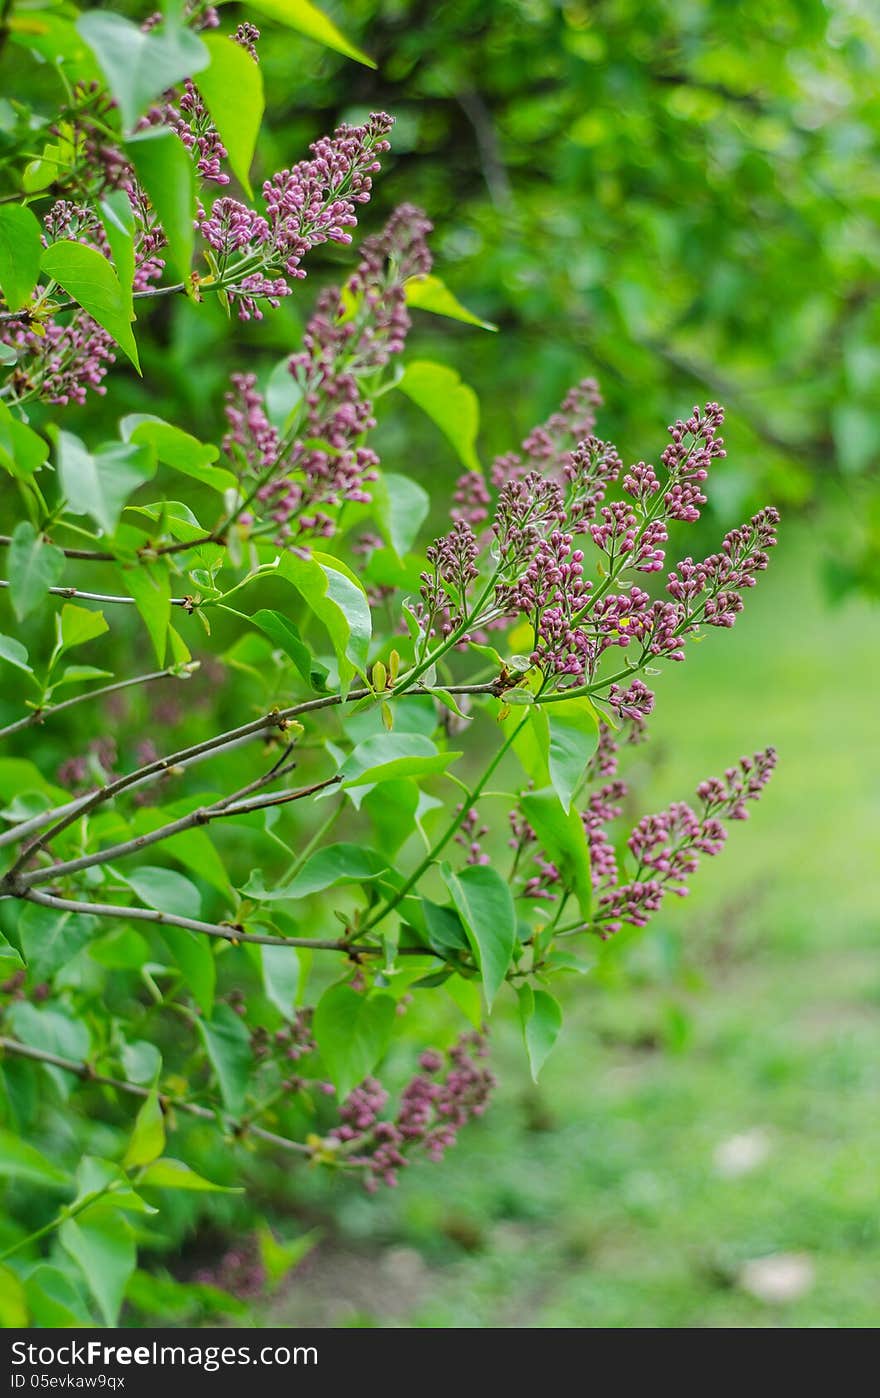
(225, 924)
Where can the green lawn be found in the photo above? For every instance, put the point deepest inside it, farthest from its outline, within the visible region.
(751, 1009)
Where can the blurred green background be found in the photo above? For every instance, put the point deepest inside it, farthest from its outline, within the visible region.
(679, 197)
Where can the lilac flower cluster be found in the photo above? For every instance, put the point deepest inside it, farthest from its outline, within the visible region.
(553, 497)
(314, 202)
(61, 361)
(431, 1112)
(321, 461)
(667, 846)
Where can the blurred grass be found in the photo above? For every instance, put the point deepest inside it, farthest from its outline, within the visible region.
(596, 1200)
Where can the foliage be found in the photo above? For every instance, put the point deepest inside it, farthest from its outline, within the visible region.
(242, 958)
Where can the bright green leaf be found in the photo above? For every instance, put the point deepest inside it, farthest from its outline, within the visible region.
(563, 837)
(541, 1018)
(175, 1174)
(148, 1137)
(401, 508)
(307, 19)
(429, 293)
(451, 404)
(280, 967)
(485, 905)
(88, 277)
(101, 1242)
(21, 1161)
(574, 737)
(76, 625)
(100, 484)
(389, 756)
(21, 251)
(165, 169)
(232, 88)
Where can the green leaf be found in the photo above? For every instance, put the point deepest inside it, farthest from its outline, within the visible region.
(352, 1031)
(562, 835)
(53, 1300)
(166, 171)
(429, 293)
(34, 567)
(50, 939)
(326, 868)
(280, 1258)
(76, 625)
(138, 66)
(21, 252)
(445, 929)
(177, 449)
(191, 848)
(13, 1300)
(541, 1018)
(485, 904)
(14, 653)
(401, 509)
(175, 1174)
(228, 1046)
(101, 1242)
(389, 756)
(100, 484)
(232, 87)
(22, 451)
(117, 216)
(286, 637)
(166, 891)
(280, 967)
(338, 600)
(451, 404)
(148, 1137)
(574, 737)
(150, 586)
(88, 277)
(307, 19)
(193, 956)
(21, 1161)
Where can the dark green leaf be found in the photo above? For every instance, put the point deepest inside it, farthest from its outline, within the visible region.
(574, 737)
(228, 1046)
(352, 1031)
(34, 567)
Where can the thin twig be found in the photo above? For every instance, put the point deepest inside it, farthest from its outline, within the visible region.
(49, 710)
(106, 598)
(226, 932)
(202, 816)
(179, 1104)
(276, 718)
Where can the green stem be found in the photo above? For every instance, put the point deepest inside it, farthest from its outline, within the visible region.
(471, 797)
